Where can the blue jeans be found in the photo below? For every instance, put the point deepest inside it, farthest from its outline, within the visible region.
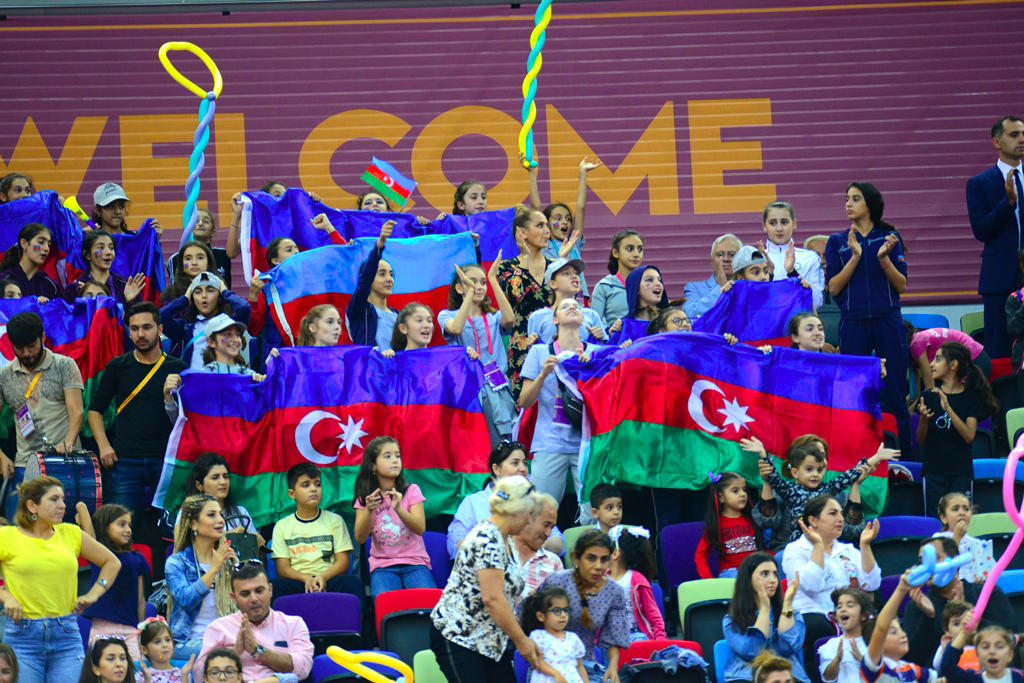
(400, 576)
(728, 573)
(126, 482)
(11, 504)
(183, 649)
(48, 650)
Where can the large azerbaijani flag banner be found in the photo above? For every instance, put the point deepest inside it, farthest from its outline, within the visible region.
(265, 218)
(324, 405)
(423, 268)
(88, 331)
(678, 404)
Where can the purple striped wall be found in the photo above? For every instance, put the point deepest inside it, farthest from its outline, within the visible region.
(900, 94)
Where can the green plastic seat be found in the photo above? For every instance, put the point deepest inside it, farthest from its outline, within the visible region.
(701, 590)
(570, 536)
(1014, 423)
(988, 523)
(425, 668)
(972, 322)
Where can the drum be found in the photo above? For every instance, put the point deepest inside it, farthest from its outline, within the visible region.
(79, 472)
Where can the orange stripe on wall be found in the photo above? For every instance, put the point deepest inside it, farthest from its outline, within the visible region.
(525, 17)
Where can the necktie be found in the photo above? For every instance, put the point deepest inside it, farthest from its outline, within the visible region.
(1020, 198)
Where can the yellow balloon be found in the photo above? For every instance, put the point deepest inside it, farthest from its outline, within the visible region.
(218, 82)
(353, 662)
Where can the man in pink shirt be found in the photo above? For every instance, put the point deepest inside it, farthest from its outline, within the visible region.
(270, 643)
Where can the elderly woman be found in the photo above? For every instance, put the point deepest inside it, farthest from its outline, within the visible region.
(474, 621)
(39, 561)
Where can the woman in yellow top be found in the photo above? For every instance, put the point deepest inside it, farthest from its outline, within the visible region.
(39, 562)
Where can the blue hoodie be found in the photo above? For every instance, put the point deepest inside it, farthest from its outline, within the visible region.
(631, 327)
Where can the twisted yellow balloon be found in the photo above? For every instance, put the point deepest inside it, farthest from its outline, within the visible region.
(353, 662)
(533, 63)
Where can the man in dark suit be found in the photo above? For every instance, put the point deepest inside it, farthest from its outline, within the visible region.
(995, 213)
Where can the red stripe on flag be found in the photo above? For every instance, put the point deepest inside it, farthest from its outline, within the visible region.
(643, 393)
(276, 442)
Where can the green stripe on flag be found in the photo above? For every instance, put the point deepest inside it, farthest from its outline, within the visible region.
(377, 185)
(266, 495)
(647, 454)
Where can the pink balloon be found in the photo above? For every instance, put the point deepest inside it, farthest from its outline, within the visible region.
(1009, 476)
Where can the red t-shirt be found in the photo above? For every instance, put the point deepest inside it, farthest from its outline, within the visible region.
(738, 536)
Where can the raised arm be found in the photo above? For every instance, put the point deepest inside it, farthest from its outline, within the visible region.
(588, 164)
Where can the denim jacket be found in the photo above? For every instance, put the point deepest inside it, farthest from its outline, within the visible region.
(743, 647)
(187, 589)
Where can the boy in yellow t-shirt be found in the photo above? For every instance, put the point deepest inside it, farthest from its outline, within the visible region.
(311, 547)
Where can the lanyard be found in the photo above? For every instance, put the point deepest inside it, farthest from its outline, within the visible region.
(476, 336)
(558, 349)
(621, 279)
(32, 384)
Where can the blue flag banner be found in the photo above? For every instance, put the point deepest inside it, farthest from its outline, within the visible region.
(755, 311)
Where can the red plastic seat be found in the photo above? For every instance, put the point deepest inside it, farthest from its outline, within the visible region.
(406, 599)
(146, 552)
(642, 649)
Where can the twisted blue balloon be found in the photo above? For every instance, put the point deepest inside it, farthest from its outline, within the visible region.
(941, 573)
(196, 164)
(533, 64)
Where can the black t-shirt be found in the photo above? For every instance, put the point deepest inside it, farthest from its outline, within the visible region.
(945, 451)
(142, 428)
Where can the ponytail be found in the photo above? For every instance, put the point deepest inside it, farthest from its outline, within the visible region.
(970, 374)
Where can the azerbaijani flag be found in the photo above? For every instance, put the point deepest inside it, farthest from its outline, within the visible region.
(43, 207)
(88, 331)
(324, 405)
(138, 252)
(756, 311)
(423, 268)
(265, 218)
(678, 403)
(386, 179)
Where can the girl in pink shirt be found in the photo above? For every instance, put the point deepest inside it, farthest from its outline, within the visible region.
(633, 567)
(390, 509)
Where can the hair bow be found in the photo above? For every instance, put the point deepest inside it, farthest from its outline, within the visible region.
(714, 477)
(149, 620)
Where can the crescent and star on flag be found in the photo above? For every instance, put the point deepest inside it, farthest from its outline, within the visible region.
(735, 414)
(351, 436)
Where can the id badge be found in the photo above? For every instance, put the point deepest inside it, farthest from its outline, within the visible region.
(559, 417)
(24, 419)
(495, 377)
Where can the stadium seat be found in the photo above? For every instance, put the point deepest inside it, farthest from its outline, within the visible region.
(984, 444)
(972, 322)
(403, 620)
(926, 321)
(907, 526)
(659, 597)
(1011, 581)
(886, 589)
(642, 649)
(702, 604)
(679, 546)
(522, 668)
(1005, 389)
(569, 536)
(146, 552)
(990, 523)
(84, 627)
(905, 490)
(895, 549)
(425, 668)
(988, 484)
(1014, 423)
(720, 657)
(332, 618)
(440, 564)
(829, 316)
(326, 670)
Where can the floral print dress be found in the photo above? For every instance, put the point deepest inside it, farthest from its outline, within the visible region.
(525, 295)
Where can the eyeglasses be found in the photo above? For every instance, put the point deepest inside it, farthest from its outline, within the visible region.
(222, 673)
(558, 611)
(679, 321)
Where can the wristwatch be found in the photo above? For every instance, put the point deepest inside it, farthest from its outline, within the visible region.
(788, 613)
(258, 652)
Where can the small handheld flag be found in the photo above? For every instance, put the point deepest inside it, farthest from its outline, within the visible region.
(385, 178)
